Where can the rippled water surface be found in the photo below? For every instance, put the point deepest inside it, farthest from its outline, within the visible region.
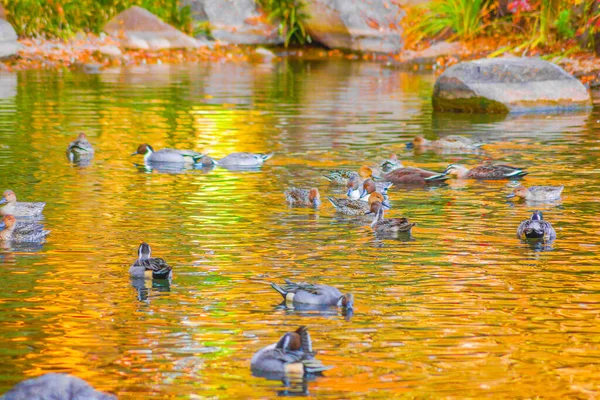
(463, 309)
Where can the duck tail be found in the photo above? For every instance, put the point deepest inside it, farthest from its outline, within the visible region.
(279, 289)
(163, 273)
(265, 157)
(437, 178)
(517, 174)
(328, 177)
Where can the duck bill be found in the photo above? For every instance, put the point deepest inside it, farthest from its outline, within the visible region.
(3, 201)
(2, 225)
(410, 145)
(135, 154)
(364, 194)
(510, 196)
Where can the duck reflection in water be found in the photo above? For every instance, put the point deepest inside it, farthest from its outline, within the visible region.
(146, 288)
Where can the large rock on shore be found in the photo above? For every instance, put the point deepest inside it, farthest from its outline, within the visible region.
(55, 386)
(359, 25)
(508, 85)
(235, 21)
(9, 46)
(139, 29)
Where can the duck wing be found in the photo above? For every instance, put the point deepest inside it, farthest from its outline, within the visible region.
(495, 171)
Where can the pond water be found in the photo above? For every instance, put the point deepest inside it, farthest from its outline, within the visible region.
(462, 309)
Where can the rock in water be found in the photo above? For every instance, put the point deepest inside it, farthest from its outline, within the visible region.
(8, 40)
(358, 25)
(55, 386)
(140, 29)
(508, 85)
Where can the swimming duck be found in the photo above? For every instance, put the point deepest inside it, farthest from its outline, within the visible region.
(537, 193)
(357, 189)
(357, 207)
(414, 176)
(303, 197)
(167, 155)
(20, 209)
(55, 386)
(307, 293)
(247, 160)
(341, 177)
(29, 234)
(536, 228)
(454, 142)
(391, 225)
(80, 148)
(292, 354)
(149, 267)
(485, 171)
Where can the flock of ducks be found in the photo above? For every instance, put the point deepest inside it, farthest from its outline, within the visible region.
(367, 194)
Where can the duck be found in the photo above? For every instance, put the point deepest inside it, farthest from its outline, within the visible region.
(414, 176)
(536, 228)
(149, 267)
(485, 171)
(391, 225)
(357, 189)
(244, 159)
(29, 234)
(291, 355)
(341, 177)
(303, 197)
(55, 386)
(452, 142)
(357, 207)
(80, 148)
(537, 193)
(167, 155)
(313, 294)
(20, 209)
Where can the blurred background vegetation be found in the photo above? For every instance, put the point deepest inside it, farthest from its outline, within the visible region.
(528, 23)
(531, 23)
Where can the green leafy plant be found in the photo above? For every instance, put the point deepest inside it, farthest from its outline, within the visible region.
(563, 25)
(462, 17)
(290, 16)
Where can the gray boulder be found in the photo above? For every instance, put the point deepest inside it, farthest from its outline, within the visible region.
(359, 25)
(235, 21)
(9, 46)
(55, 387)
(508, 85)
(139, 29)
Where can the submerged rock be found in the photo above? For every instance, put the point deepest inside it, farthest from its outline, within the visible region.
(508, 85)
(237, 21)
(142, 30)
(8, 40)
(358, 25)
(55, 386)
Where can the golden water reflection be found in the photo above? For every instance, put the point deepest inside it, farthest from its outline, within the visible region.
(464, 310)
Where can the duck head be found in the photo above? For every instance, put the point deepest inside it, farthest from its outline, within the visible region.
(144, 251)
(8, 197)
(537, 216)
(365, 172)
(369, 187)
(520, 191)
(290, 341)
(353, 185)
(346, 301)
(207, 161)
(7, 222)
(459, 171)
(378, 197)
(314, 196)
(418, 141)
(82, 136)
(143, 149)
